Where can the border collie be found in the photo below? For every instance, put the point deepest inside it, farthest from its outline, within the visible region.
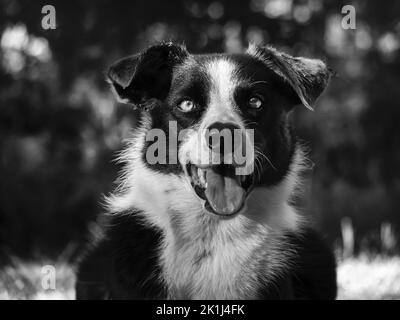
(199, 229)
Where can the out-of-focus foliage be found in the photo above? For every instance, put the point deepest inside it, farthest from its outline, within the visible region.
(59, 126)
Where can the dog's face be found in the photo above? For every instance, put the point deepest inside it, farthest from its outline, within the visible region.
(229, 114)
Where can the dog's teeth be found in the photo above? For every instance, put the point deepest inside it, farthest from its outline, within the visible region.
(202, 176)
(193, 169)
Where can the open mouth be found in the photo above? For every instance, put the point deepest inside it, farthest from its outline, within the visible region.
(224, 192)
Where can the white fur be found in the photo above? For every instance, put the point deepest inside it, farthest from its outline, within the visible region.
(271, 206)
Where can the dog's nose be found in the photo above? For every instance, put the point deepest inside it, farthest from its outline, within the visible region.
(220, 135)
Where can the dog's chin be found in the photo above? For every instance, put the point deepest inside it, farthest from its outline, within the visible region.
(223, 191)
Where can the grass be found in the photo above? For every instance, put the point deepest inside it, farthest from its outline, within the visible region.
(363, 277)
(370, 278)
(26, 281)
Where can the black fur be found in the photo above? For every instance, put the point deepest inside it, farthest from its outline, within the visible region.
(112, 269)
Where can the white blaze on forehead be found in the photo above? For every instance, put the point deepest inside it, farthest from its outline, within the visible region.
(221, 72)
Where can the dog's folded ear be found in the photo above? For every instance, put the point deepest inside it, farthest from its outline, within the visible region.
(307, 77)
(137, 79)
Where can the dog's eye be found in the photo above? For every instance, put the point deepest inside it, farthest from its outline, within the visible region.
(255, 103)
(186, 105)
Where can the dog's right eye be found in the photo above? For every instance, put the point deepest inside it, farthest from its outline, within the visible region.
(186, 105)
(255, 103)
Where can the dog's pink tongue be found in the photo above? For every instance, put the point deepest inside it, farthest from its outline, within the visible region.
(224, 193)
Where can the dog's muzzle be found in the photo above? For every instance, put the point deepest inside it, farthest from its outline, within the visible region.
(222, 188)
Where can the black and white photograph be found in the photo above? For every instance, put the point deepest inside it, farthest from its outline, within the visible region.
(212, 150)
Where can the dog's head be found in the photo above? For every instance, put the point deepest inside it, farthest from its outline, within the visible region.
(227, 113)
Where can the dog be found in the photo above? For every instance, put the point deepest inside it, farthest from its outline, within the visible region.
(189, 227)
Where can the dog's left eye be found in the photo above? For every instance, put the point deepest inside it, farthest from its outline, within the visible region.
(186, 105)
(255, 103)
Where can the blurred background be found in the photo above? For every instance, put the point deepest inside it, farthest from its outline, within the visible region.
(60, 127)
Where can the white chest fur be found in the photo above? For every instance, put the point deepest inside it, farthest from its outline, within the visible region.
(207, 266)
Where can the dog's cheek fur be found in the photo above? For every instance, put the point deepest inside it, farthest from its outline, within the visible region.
(275, 140)
(161, 119)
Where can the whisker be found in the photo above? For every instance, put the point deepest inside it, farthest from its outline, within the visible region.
(258, 167)
(248, 122)
(259, 152)
(257, 82)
